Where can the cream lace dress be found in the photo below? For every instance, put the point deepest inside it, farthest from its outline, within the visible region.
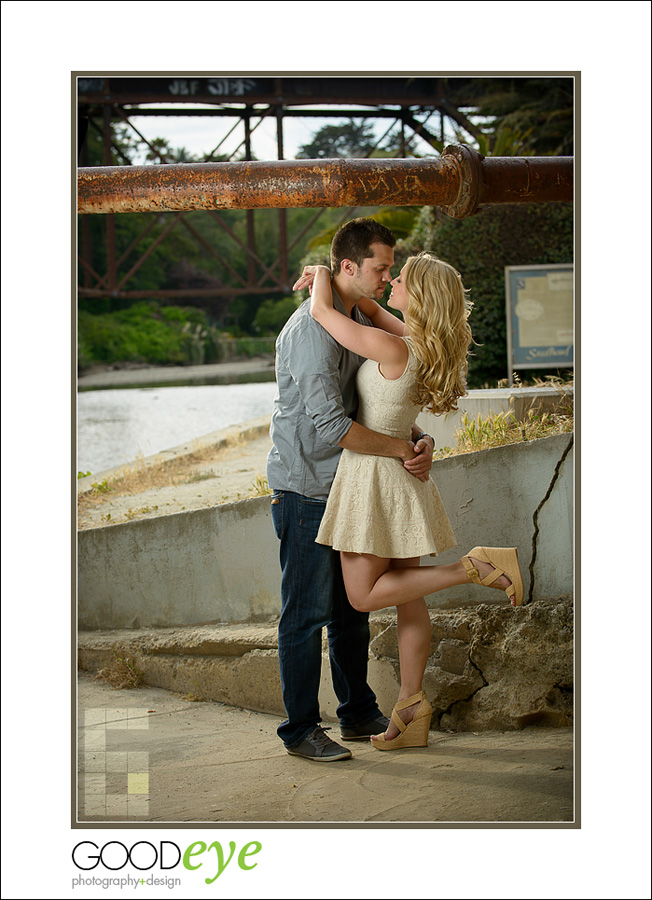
(375, 506)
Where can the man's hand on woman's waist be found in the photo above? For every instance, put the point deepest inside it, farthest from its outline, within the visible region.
(417, 461)
(419, 465)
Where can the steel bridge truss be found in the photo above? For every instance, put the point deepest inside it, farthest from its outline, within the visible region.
(458, 181)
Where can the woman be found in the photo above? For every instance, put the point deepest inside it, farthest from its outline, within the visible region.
(380, 518)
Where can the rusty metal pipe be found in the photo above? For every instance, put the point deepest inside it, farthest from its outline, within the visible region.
(522, 179)
(458, 181)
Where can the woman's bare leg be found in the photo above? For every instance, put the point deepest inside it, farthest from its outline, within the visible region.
(413, 631)
(412, 621)
(371, 583)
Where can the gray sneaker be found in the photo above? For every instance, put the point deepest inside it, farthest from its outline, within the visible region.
(363, 732)
(319, 747)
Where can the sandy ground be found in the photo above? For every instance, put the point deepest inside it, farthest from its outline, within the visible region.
(207, 762)
(225, 476)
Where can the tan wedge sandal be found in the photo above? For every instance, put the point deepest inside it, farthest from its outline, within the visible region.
(505, 562)
(412, 734)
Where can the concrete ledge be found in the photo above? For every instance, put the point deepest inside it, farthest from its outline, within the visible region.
(220, 564)
(489, 668)
(515, 401)
(234, 665)
(199, 567)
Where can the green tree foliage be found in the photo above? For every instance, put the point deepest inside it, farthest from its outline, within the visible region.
(143, 333)
(399, 219)
(356, 140)
(160, 150)
(157, 271)
(351, 139)
(158, 335)
(506, 142)
(539, 111)
(480, 247)
(273, 314)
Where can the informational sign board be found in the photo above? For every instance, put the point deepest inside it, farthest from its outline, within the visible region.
(540, 333)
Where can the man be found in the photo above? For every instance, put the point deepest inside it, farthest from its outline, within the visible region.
(313, 419)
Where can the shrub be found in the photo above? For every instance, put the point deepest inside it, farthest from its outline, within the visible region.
(131, 335)
(273, 314)
(169, 335)
(480, 247)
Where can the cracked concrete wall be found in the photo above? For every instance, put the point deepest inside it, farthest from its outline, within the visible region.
(490, 668)
(206, 565)
(491, 498)
(221, 564)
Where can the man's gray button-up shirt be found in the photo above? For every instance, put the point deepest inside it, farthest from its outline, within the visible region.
(315, 404)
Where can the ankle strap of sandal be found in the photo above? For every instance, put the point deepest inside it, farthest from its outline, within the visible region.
(410, 701)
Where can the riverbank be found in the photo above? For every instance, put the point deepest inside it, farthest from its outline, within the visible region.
(217, 468)
(259, 368)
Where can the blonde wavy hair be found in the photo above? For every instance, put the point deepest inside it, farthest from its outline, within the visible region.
(437, 321)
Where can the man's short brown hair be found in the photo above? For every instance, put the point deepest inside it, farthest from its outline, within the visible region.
(353, 241)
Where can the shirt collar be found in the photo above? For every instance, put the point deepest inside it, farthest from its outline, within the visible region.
(338, 304)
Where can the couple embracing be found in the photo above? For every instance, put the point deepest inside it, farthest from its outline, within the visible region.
(353, 504)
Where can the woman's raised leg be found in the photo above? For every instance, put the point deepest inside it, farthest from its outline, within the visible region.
(372, 583)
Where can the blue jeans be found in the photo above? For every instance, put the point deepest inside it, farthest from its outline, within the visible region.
(313, 596)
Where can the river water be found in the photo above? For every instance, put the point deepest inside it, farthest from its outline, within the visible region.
(116, 426)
